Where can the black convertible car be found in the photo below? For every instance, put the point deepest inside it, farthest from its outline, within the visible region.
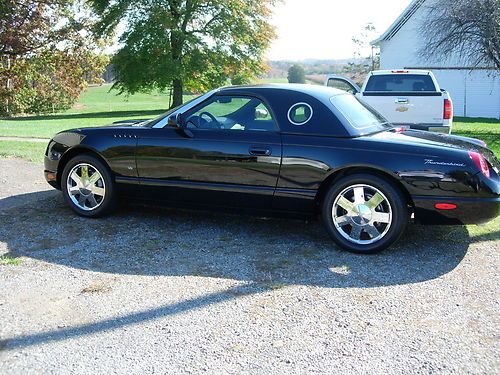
(291, 148)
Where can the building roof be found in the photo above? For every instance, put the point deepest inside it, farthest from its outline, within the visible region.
(400, 21)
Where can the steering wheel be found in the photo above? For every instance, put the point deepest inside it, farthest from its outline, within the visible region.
(197, 121)
(192, 122)
(212, 118)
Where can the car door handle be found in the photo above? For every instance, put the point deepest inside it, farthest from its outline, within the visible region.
(401, 101)
(260, 151)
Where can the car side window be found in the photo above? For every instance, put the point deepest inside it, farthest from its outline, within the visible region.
(300, 113)
(341, 85)
(231, 113)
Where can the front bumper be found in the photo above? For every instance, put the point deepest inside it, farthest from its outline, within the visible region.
(50, 172)
(50, 180)
(468, 210)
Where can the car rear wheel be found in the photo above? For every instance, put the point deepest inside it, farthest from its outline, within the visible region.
(88, 186)
(364, 213)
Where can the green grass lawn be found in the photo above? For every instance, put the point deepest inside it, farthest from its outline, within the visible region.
(32, 151)
(487, 130)
(97, 106)
(102, 99)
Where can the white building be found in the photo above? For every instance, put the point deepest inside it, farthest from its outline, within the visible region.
(475, 90)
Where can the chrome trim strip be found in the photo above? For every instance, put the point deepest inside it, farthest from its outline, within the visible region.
(194, 185)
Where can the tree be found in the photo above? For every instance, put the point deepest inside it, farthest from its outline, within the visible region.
(186, 44)
(296, 74)
(363, 63)
(50, 81)
(465, 29)
(46, 57)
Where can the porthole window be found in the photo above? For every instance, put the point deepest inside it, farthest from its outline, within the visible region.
(300, 113)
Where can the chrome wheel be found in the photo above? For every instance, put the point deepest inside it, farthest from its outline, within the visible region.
(362, 214)
(85, 186)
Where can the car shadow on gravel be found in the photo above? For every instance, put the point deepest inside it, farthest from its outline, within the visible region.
(142, 240)
(265, 254)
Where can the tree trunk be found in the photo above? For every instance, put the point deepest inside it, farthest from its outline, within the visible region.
(176, 44)
(177, 89)
(7, 101)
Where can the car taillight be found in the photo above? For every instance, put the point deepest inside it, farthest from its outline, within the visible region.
(448, 109)
(480, 162)
(399, 71)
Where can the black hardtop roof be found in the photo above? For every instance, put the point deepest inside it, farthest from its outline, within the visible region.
(317, 91)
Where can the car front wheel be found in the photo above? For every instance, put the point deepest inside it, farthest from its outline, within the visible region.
(364, 213)
(88, 186)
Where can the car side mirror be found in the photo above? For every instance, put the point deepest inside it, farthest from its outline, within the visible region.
(175, 121)
(261, 113)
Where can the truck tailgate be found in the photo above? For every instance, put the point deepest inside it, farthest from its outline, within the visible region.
(424, 108)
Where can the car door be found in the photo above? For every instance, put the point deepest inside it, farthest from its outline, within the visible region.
(343, 83)
(228, 152)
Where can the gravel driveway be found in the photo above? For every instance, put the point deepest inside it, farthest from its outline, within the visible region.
(153, 290)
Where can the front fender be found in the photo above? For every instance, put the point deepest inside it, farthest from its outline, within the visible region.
(116, 147)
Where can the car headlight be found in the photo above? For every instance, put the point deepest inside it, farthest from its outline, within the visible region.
(54, 155)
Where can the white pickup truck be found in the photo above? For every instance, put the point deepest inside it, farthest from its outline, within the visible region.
(407, 98)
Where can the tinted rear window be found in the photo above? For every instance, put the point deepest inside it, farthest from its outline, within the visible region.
(362, 118)
(400, 83)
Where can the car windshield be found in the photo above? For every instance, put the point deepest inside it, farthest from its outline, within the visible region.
(362, 118)
(156, 120)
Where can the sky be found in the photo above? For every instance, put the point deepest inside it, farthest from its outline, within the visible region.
(322, 29)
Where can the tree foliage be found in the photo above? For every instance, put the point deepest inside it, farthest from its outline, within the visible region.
(186, 44)
(363, 63)
(296, 74)
(468, 30)
(46, 57)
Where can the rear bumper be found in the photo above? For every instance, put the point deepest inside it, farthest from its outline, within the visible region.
(468, 211)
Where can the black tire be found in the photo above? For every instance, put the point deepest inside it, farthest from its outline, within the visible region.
(107, 203)
(395, 198)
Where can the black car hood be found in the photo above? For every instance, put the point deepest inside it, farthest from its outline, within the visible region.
(113, 126)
